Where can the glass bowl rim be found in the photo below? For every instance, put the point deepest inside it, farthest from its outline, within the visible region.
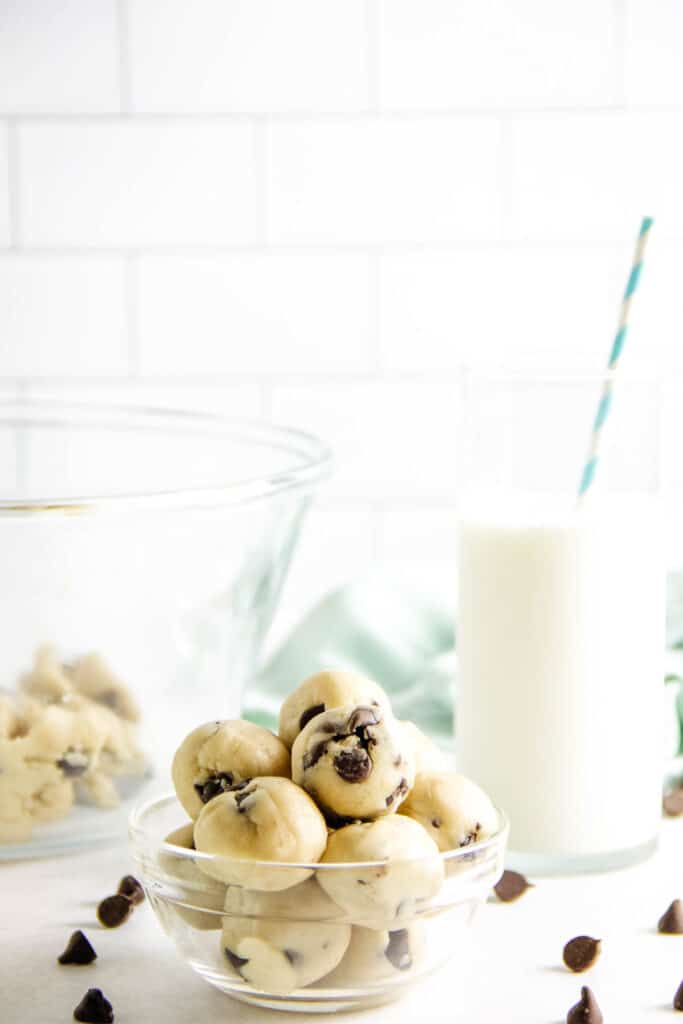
(311, 457)
(141, 838)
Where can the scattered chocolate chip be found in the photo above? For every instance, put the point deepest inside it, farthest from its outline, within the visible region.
(671, 922)
(311, 757)
(673, 803)
(130, 887)
(581, 953)
(400, 791)
(73, 764)
(678, 998)
(78, 950)
(94, 1008)
(511, 886)
(310, 713)
(586, 1011)
(213, 786)
(235, 960)
(353, 765)
(114, 910)
(398, 950)
(360, 718)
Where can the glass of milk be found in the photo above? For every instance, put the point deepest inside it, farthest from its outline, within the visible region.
(560, 694)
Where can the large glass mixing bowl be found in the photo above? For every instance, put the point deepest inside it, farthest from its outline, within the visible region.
(142, 554)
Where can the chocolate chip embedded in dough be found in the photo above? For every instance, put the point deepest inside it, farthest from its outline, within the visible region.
(94, 1008)
(114, 910)
(586, 1011)
(73, 763)
(309, 713)
(400, 791)
(78, 950)
(235, 960)
(581, 952)
(213, 786)
(353, 765)
(398, 950)
(360, 718)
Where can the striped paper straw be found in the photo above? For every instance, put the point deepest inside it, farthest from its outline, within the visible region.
(606, 398)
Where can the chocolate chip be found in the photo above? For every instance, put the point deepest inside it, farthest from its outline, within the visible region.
(213, 786)
(400, 791)
(78, 950)
(235, 960)
(94, 1008)
(292, 955)
(436, 822)
(586, 1011)
(671, 922)
(130, 887)
(398, 950)
(678, 998)
(114, 910)
(511, 886)
(353, 765)
(74, 763)
(360, 718)
(581, 953)
(673, 803)
(309, 713)
(471, 837)
(311, 757)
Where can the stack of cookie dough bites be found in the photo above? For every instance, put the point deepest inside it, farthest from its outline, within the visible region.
(344, 783)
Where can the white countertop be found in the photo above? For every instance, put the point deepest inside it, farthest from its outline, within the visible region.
(517, 971)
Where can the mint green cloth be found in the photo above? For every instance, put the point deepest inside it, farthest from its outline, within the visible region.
(405, 640)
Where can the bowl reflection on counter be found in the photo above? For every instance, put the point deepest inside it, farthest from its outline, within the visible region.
(295, 949)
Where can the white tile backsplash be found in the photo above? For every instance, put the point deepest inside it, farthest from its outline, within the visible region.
(137, 182)
(248, 55)
(62, 317)
(59, 56)
(256, 312)
(442, 54)
(316, 210)
(380, 181)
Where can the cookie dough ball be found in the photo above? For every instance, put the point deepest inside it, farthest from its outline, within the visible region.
(324, 691)
(92, 677)
(387, 894)
(47, 681)
(379, 956)
(283, 940)
(31, 793)
(428, 757)
(453, 810)
(216, 755)
(194, 887)
(265, 819)
(355, 762)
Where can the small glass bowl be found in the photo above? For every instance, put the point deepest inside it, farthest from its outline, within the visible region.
(293, 948)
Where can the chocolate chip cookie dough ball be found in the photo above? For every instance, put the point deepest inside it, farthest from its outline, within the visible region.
(216, 755)
(264, 819)
(355, 762)
(324, 691)
(283, 940)
(194, 887)
(387, 895)
(453, 810)
(379, 955)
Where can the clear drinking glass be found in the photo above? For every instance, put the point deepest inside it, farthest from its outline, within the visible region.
(560, 696)
(142, 555)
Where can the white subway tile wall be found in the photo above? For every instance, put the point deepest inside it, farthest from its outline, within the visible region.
(315, 211)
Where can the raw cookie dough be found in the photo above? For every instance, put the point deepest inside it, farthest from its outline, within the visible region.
(454, 811)
(193, 888)
(216, 755)
(389, 894)
(324, 691)
(30, 793)
(263, 819)
(379, 956)
(428, 757)
(355, 762)
(92, 677)
(281, 941)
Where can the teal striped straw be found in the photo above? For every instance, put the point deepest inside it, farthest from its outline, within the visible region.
(606, 398)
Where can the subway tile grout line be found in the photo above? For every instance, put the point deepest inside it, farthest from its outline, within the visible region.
(619, 15)
(261, 150)
(132, 303)
(372, 53)
(123, 40)
(13, 186)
